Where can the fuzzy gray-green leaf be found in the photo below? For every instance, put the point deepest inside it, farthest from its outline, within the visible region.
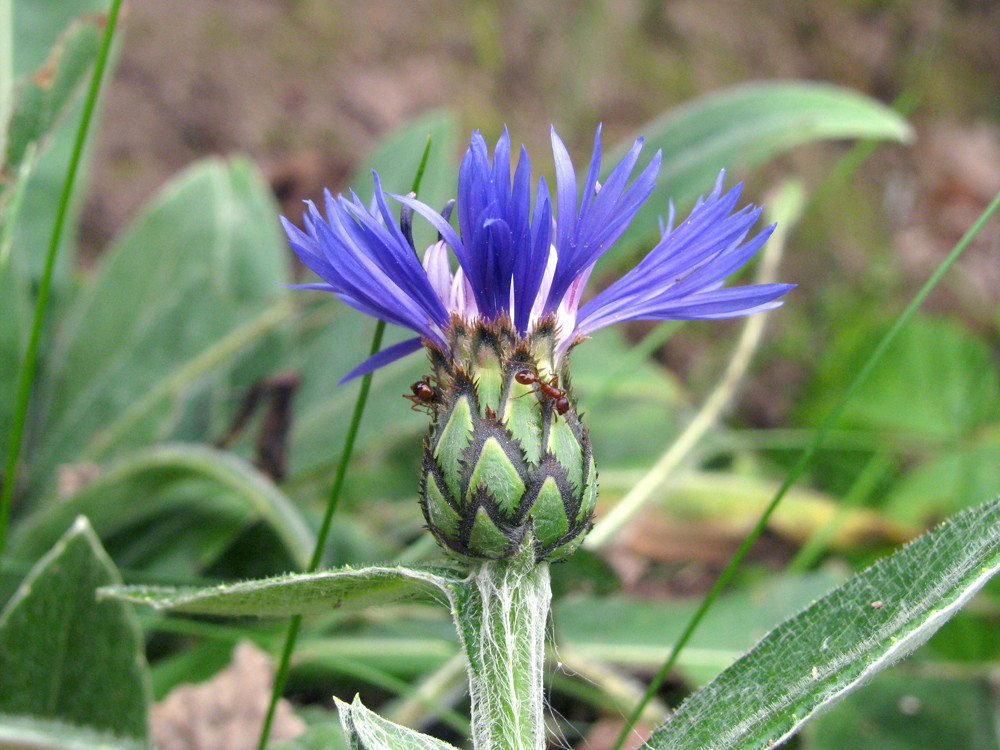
(366, 730)
(234, 491)
(140, 346)
(744, 127)
(297, 594)
(839, 642)
(17, 732)
(67, 657)
(44, 98)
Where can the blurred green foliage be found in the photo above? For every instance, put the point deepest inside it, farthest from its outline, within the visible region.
(157, 414)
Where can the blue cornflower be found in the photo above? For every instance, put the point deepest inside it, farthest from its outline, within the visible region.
(508, 463)
(516, 264)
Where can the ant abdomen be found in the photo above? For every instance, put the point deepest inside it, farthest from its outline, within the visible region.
(549, 390)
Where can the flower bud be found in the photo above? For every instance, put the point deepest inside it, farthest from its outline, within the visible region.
(507, 461)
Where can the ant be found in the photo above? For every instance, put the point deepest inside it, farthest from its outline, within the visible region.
(424, 396)
(558, 395)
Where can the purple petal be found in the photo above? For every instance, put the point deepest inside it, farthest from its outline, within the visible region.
(682, 276)
(439, 223)
(583, 237)
(590, 183)
(565, 194)
(725, 303)
(383, 358)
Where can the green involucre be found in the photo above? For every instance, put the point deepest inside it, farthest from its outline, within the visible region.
(503, 465)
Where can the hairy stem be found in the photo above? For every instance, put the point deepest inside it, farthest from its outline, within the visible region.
(503, 628)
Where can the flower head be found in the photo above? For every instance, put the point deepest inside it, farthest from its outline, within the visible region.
(507, 460)
(516, 263)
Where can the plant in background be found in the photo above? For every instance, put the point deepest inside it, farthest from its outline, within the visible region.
(508, 478)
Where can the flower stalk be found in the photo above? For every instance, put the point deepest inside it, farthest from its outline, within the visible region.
(503, 624)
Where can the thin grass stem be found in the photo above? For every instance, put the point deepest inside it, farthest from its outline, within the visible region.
(805, 458)
(26, 376)
(295, 625)
(637, 498)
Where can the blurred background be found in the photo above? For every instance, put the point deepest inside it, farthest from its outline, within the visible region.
(307, 87)
(310, 90)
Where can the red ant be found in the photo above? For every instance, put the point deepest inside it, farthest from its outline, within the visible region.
(424, 395)
(558, 395)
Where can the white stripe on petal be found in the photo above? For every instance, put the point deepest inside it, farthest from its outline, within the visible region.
(566, 313)
(543, 289)
(463, 301)
(438, 270)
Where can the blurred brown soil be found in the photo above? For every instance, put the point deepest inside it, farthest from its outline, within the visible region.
(307, 86)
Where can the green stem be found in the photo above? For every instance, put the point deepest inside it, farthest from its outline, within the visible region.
(27, 375)
(503, 629)
(831, 419)
(331, 508)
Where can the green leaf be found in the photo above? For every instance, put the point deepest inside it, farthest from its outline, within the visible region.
(366, 730)
(37, 29)
(67, 657)
(17, 732)
(321, 736)
(43, 99)
(842, 640)
(937, 380)
(933, 399)
(937, 487)
(636, 634)
(230, 491)
(297, 594)
(744, 127)
(905, 711)
(187, 301)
